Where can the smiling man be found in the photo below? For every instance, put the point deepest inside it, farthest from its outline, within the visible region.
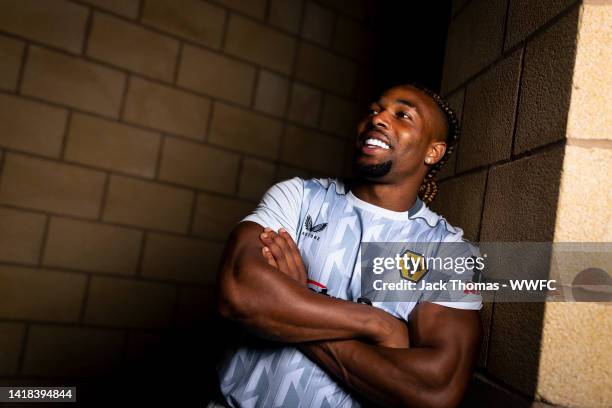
(338, 350)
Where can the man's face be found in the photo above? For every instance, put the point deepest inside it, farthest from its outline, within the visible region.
(397, 137)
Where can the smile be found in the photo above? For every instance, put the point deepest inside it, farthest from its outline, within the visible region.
(371, 142)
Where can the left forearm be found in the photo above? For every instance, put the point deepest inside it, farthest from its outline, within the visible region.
(387, 376)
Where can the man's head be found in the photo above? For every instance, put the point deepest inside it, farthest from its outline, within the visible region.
(405, 135)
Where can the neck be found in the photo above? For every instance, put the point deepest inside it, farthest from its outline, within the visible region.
(395, 197)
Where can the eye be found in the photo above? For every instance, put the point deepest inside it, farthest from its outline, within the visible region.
(403, 115)
(372, 111)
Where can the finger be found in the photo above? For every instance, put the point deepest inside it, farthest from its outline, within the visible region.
(268, 257)
(282, 244)
(268, 238)
(294, 251)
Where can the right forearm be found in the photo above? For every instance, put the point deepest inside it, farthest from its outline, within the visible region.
(276, 307)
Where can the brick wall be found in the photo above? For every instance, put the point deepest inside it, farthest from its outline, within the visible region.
(133, 135)
(512, 72)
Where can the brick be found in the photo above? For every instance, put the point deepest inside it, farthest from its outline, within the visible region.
(191, 19)
(490, 106)
(129, 303)
(112, 146)
(514, 344)
(590, 110)
(11, 53)
(216, 216)
(35, 294)
(569, 330)
(460, 201)
(585, 170)
(245, 131)
(181, 259)
(11, 339)
(255, 8)
(196, 306)
(318, 24)
(255, 178)
(351, 39)
(354, 8)
(482, 391)
(322, 68)
(92, 246)
(260, 44)
(312, 150)
(457, 5)
(340, 116)
(305, 104)
(132, 47)
(455, 100)
(51, 351)
(286, 14)
(51, 186)
(456, 103)
(59, 23)
(546, 85)
(473, 41)
(19, 131)
(140, 346)
(529, 187)
(21, 235)
(127, 8)
(147, 204)
(72, 81)
(199, 166)
(365, 90)
(526, 16)
(272, 93)
(214, 74)
(167, 109)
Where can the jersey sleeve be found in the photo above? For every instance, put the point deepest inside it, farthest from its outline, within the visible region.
(280, 207)
(455, 252)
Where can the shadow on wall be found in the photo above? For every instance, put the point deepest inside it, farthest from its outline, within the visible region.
(508, 73)
(133, 136)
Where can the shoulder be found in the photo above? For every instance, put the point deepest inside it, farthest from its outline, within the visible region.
(438, 226)
(318, 185)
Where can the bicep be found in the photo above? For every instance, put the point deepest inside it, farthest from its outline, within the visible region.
(454, 333)
(243, 247)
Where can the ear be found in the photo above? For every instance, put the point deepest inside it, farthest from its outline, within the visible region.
(435, 153)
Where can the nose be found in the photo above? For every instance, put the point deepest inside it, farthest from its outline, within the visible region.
(380, 120)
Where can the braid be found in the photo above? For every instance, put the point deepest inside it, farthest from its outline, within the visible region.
(429, 187)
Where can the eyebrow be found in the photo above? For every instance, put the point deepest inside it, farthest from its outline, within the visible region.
(406, 102)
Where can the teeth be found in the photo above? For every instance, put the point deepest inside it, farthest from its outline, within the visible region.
(376, 142)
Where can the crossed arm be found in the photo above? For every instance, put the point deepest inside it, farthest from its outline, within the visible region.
(363, 347)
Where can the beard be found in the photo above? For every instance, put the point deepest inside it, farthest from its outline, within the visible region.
(372, 170)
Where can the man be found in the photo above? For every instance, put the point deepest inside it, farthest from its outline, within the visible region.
(332, 351)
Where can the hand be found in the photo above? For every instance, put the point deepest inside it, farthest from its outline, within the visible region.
(281, 252)
(393, 333)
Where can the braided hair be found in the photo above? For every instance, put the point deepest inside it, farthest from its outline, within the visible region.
(429, 188)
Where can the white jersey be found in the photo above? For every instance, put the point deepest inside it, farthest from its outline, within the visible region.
(328, 224)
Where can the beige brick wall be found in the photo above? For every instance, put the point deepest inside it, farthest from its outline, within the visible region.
(527, 79)
(134, 134)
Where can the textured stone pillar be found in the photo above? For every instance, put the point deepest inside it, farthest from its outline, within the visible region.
(575, 357)
(530, 80)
